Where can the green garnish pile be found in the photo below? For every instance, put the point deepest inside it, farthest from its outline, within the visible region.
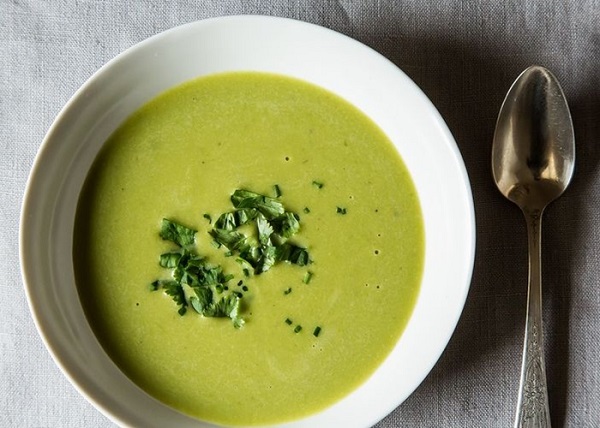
(196, 283)
(274, 226)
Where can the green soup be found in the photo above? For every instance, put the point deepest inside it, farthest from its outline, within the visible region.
(181, 156)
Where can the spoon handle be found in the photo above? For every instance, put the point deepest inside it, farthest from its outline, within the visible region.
(532, 405)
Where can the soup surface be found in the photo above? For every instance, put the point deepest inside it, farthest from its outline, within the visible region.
(181, 156)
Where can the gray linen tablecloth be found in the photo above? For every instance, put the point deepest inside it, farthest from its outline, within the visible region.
(464, 55)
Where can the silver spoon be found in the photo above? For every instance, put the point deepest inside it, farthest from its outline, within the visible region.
(533, 155)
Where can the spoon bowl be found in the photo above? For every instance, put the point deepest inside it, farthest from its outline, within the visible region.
(534, 151)
(533, 158)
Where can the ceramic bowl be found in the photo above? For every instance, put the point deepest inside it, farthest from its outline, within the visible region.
(305, 51)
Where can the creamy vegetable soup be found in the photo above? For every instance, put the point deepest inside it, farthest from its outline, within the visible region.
(248, 248)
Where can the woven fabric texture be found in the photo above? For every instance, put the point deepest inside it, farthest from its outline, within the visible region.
(464, 55)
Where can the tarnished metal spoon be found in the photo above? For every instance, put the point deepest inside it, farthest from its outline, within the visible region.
(533, 156)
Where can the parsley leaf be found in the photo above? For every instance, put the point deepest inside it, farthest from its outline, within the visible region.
(269, 207)
(231, 239)
(292, 253)
(265, 230)
(202, 299)
(267, 259)
(169, 260)
(250, 254)
(228, 306)
(234, 219)
(177, 233)
(175, 290)
(287, 225)
(226, 222)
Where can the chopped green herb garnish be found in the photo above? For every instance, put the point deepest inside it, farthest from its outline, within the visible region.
(195, 282)
(169, 260)
(269, 207)
(203, 287)
(289, 321)
(267, 258)
(293, 254)
(298, 329)
(307, 277)
(226, 222)
(265, 230)
(306, 210)
(202, 298)
(340, 210)
(286, 225)
(229, 238)
(317, 331)
(317, 184)
(175, 290)
(234, 219)
(228, 306)
(274, 227)
(177, 233)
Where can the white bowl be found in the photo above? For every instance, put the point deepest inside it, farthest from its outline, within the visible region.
(315, 54)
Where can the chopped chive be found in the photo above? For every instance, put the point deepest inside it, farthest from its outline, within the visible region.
(288, 291)
(246, 272)
(306, 210)
(219, 288)
(245, 288)
(237, 293)
(307, 277)
(340, 210)
(240, 283)
(298, 328)
(317, 184)
(154, 285)
(277, 190)
(317, 331)
(289, 321)
(207, 216)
